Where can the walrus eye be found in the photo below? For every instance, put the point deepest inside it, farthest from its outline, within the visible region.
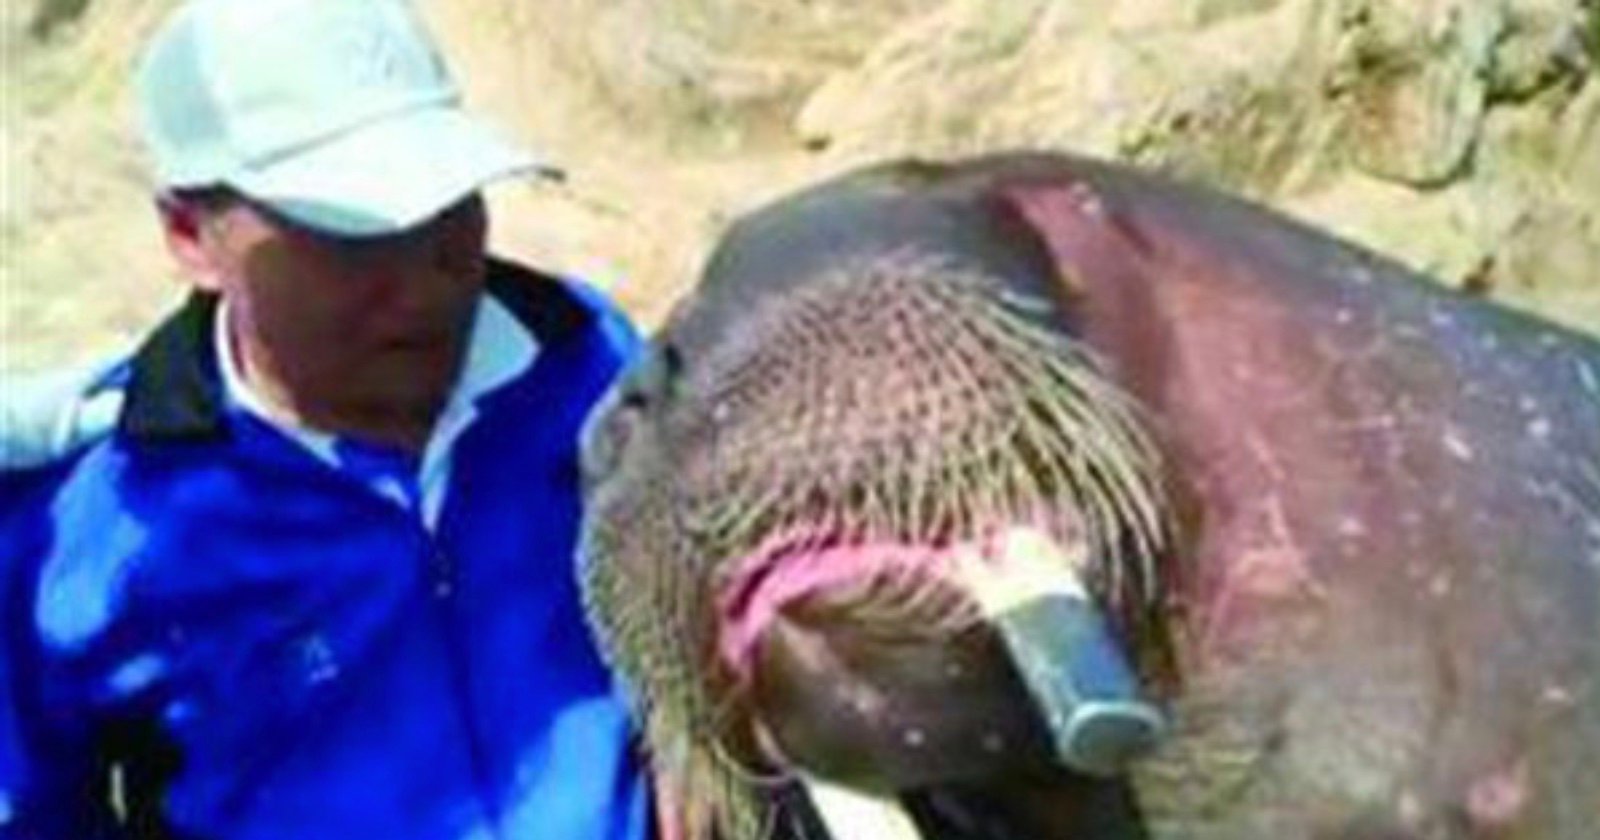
(610, 427)
(601, 440)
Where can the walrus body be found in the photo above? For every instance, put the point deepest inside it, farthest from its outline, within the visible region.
(1348, 528)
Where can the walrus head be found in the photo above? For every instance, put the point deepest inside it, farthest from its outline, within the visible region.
(869, 511)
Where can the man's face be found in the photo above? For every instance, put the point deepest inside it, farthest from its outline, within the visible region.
(348, 334)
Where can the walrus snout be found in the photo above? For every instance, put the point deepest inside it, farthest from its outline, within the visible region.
(782, 497)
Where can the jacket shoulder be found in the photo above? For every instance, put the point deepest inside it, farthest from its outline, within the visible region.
(557, 308)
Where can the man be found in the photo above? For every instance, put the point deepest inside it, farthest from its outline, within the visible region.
(316, 582)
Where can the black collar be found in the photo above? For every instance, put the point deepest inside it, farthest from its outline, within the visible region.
(175, 389)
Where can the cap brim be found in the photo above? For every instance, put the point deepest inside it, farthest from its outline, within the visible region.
(387, 176)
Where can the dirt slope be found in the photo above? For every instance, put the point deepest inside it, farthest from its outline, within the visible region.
(1460, 135)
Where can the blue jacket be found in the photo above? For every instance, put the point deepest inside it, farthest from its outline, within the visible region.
(262, 647)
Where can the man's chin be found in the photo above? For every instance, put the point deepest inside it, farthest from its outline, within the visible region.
(408, 396)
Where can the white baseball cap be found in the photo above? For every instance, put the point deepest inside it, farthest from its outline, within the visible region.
(337, 114)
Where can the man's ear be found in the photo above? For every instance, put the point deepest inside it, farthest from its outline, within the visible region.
(184, 225)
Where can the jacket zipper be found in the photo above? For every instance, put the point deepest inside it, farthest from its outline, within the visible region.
(441, 578)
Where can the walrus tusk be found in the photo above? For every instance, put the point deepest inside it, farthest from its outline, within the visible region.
(851, 814)
(1073, 666)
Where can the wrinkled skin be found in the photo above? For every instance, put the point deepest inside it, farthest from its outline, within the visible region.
(1375, 610)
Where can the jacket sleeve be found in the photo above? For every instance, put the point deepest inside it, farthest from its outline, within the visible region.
(47, 416)
(49, 785)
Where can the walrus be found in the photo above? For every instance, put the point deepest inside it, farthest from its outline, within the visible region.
(1337, 524)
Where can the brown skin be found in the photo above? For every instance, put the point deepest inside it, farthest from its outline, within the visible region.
(361, 337)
